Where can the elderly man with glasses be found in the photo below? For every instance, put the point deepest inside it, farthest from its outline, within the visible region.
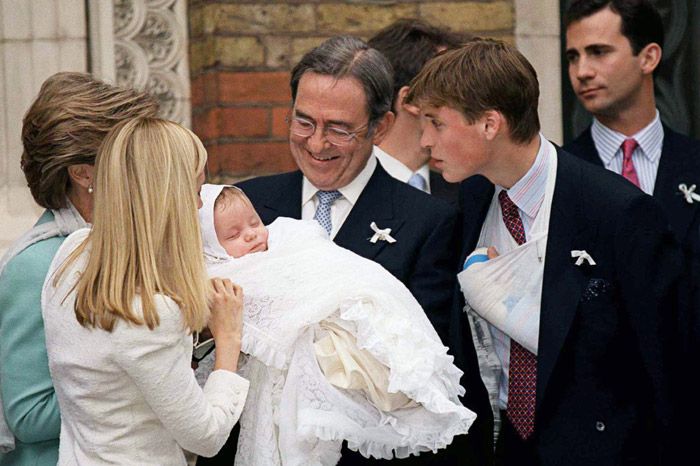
(342, 92)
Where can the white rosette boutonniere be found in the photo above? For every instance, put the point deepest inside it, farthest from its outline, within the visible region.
(689, 193)
(381, 234)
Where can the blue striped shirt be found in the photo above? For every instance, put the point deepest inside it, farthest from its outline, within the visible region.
(645, 157)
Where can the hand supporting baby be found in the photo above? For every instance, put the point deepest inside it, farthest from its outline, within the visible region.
(226, 322)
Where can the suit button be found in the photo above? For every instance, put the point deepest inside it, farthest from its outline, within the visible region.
(600, 426)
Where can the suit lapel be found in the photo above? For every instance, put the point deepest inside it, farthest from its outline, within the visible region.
(674, 170)
(442, 189)
(285, 199)
(563, 282)
(584, 148)
(375, 204)
(475, 199)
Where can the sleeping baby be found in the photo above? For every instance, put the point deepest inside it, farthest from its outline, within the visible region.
(336, 348)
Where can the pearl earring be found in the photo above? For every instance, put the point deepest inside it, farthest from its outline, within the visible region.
(90, 189)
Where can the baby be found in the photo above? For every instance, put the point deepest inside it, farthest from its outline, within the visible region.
(337, 348)
(238, 227)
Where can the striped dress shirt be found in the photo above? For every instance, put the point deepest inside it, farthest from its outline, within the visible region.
(645, 157)
(528, 195)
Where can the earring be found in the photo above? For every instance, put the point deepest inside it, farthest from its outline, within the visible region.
(90, 189)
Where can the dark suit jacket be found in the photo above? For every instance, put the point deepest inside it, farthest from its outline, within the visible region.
(423, 257)
(443, 189)
(604, 390)
(679, 163)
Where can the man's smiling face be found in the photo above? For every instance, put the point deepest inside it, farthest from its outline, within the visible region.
(330, 102)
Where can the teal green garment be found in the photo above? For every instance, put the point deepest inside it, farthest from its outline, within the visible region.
(28, 397)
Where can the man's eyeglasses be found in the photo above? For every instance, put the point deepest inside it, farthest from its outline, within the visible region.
(337, 136)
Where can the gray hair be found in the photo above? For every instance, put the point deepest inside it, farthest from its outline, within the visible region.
(348, 56)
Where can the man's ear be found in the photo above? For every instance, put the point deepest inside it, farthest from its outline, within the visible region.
(82, 174)
(382, 128)
(650, 57)
(493, 122)
(409, 108)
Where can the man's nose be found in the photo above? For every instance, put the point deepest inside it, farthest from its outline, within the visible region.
(426, 141)
(583, 69)
(317, 142)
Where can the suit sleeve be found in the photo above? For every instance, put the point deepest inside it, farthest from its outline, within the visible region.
(650, 266)
(28, 397)
(433, 278)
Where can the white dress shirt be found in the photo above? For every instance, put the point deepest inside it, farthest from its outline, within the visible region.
(400, 171)
(341, 208)
(129, 396)
(645, 157)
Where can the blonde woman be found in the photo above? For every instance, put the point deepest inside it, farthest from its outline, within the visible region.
(61, 133)
(120, 304)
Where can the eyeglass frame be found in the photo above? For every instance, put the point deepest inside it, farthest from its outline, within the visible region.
(353, 135)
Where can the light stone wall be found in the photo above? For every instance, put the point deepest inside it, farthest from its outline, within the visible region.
(41, 37)
(37, 39)
(537, 36)
(133, 43)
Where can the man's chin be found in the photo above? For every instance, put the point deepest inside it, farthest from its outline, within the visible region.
(451, 177)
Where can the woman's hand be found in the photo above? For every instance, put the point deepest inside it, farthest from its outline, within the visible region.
(226, 322)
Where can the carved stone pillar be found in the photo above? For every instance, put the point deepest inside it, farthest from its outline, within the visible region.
(150, 52)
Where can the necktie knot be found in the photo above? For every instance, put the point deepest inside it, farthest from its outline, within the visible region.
(628, 169)
(323, 210)
(628, 147)
(417, 181)
(327, 197)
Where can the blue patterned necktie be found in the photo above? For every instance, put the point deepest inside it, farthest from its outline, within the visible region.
(417, 181)
(323, 210)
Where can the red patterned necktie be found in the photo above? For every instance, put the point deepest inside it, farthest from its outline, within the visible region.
(522, 379)
(628, 170)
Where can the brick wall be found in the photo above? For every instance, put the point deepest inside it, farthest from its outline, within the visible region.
(241, 53)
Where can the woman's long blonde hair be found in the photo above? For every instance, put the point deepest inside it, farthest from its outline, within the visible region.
(145, 238)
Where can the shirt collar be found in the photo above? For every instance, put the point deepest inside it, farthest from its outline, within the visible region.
(528, 192)
(608, 141)
(398, 170)
(351, 191)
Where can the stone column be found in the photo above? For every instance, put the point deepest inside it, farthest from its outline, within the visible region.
(537, 36)
(133, 43)
(37, 39)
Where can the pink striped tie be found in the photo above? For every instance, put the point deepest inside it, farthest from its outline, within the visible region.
(628, 170)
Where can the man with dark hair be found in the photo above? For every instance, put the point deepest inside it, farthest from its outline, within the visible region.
(408, 44)
(613, 49)
(569, 273)
(342, 92)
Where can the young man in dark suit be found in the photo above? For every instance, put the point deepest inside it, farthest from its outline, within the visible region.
(408, 44)
(342, 93)
(584, 376)
(613, 48)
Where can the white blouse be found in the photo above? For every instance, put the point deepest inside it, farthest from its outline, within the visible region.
(130, 396)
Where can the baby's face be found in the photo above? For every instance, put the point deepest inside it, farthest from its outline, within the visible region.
(239, 228)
